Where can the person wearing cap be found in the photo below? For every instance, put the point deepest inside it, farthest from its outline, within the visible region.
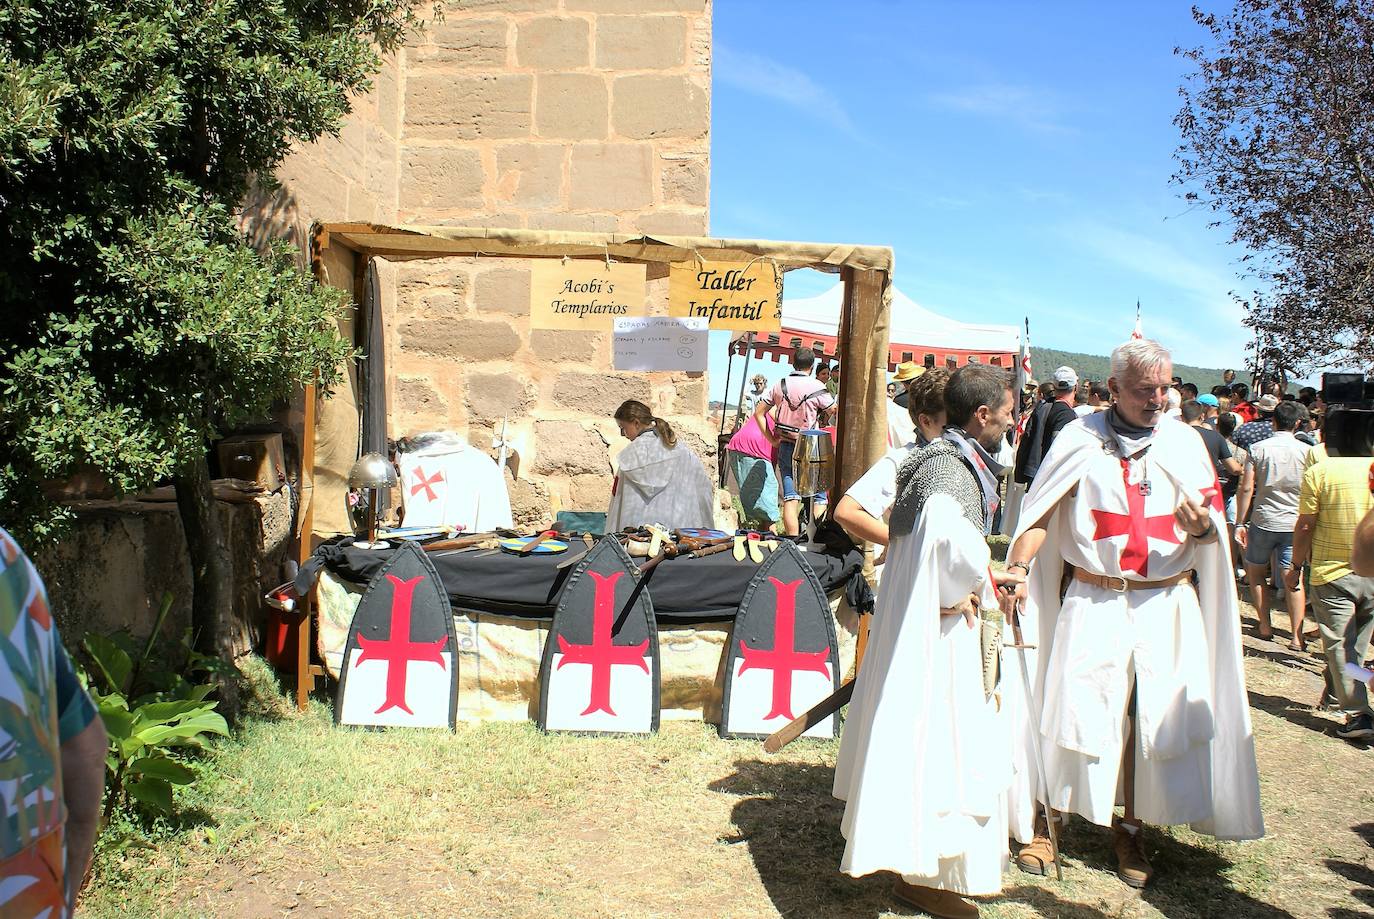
(1262, 427)
(1045, 424)
(1211, 409)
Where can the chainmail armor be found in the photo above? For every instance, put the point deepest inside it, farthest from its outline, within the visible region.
(936, 469)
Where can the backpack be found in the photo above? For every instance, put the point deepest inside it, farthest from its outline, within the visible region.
(793, 419)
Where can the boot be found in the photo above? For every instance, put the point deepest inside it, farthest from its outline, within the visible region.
(941, 903)
(1132, 865)
(1037, 856)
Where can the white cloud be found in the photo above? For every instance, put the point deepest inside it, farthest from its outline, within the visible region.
(1204, 288)
(1160, 261)
(1032, 109)
(763, 76)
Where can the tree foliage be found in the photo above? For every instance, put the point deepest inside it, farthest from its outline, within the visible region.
(1278, 137)
(138, 322)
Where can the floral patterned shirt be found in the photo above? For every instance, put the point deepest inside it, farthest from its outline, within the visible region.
(41, 706)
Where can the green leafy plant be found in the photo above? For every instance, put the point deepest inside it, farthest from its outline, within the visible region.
(152, 716)
(140, 323)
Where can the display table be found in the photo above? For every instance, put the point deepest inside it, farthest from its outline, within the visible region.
(502, 606)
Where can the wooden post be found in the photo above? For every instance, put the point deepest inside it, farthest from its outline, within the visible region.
(861, 435)
(305, 671)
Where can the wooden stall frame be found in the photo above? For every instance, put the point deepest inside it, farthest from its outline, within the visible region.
(866, 272)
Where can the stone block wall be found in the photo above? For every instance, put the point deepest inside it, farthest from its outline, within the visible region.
(111, 570)
(351, 177)
(587, 115)
(461, 356)
(560, 114)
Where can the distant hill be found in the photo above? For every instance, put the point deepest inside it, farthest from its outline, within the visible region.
(1044, 361)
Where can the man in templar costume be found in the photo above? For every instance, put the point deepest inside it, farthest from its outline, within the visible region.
(1140, 689)
(924, 761)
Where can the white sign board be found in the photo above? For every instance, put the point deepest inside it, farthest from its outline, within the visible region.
(660, 343)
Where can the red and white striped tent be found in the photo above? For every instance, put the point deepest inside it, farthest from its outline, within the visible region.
(917, 334)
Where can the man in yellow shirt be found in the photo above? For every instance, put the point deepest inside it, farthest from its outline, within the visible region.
(1335, 496)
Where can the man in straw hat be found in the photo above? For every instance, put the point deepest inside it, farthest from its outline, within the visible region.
(900, 428)
(1140, 687)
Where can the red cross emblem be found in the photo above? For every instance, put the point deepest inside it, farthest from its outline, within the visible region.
(398, 650)
(426, 484)
(784, 659)
(1138, 529)
(603, 651)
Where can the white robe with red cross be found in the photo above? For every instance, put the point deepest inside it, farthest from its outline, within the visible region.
(447, 482)
(1178, 647)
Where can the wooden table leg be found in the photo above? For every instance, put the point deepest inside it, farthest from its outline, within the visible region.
(305, 676)
(861, 644)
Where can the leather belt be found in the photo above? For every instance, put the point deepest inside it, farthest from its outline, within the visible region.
(1122, 585)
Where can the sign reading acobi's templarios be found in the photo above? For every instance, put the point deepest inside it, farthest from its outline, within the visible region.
(741, 296)
(585, 294)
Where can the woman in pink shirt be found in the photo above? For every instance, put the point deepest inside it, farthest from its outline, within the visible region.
(751, 457)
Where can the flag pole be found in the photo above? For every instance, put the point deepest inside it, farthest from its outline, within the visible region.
(1023, 375)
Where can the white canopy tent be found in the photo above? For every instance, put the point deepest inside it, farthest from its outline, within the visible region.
(917, 334)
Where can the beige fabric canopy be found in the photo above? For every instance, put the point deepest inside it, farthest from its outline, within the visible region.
(430, 242)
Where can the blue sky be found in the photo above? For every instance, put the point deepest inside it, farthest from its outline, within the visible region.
(1015, 155)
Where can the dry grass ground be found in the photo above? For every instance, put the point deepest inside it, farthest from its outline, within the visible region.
(296, 818)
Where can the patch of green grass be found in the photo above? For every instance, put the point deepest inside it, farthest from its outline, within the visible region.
(498, 820)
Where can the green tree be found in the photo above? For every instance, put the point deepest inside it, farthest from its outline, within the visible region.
(1278, 138)
(139, 324)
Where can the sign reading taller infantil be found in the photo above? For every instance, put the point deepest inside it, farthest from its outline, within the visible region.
(586, 294)
(739, 296)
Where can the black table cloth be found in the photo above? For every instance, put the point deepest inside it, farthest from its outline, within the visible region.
(684, 590)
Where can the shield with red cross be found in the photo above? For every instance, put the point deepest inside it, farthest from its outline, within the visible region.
(600, 671)
(782, 658)
(399, 666)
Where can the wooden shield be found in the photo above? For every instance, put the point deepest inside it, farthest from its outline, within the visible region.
(600, 671)
(782, 658)
(399, 667)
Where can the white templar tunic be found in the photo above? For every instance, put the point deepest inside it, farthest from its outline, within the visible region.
(923, 760)
(447, 482)
(1194, 755)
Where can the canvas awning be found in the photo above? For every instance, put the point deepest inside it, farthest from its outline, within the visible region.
(917, 334)
(412, 242)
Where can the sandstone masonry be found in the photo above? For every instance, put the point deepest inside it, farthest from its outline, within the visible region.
(585, 115)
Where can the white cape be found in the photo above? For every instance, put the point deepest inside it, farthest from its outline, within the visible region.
(447, 482)
(923, 760)
(1221, 768)
(656, 484)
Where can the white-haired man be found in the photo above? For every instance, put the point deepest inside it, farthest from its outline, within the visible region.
(1140, 681)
